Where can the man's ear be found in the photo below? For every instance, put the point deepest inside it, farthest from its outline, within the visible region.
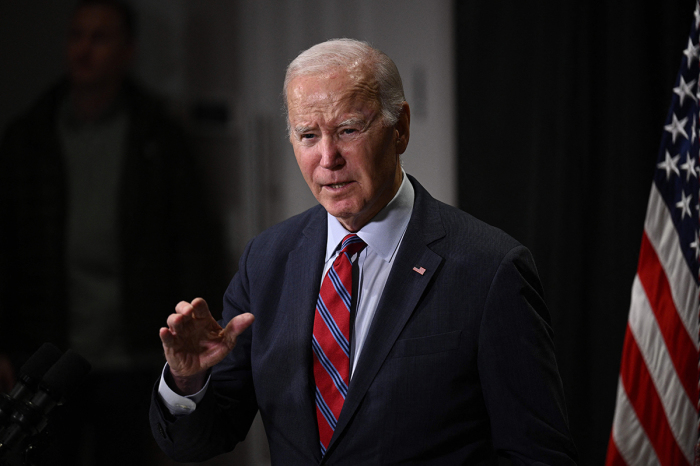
(402, 129)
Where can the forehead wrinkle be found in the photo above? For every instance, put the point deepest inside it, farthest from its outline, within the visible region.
(355, 102)
(339, 109)
(359, 90)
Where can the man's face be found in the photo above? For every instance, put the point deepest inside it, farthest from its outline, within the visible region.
(349, 159)
(98, 50)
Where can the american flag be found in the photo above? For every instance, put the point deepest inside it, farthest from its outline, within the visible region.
(656, 416)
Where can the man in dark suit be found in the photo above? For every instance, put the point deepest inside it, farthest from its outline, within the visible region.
(450, 354)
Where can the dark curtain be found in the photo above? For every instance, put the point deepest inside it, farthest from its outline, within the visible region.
(561, 107)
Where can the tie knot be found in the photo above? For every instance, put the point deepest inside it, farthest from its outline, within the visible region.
(352, 244)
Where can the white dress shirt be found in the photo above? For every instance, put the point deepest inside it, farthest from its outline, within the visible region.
(383, 235)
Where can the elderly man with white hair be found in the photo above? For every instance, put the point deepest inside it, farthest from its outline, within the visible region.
(389, 328)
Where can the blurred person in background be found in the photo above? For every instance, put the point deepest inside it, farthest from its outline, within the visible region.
(103, 224)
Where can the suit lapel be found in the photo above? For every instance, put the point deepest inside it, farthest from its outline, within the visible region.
(401, 294)
(303, 279)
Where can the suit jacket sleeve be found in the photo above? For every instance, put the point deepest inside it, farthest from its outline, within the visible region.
(519, 376)
(225, 414)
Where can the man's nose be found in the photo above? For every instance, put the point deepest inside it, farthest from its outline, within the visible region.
(330, 153)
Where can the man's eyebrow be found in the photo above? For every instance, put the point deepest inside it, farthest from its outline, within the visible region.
(353, 122)
(302, 129)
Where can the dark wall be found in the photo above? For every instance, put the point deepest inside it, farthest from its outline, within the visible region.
(561, 106)
(31, 54)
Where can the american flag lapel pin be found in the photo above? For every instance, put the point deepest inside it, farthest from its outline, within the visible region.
(419, 270)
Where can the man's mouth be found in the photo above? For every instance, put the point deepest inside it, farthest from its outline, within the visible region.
(337, 185)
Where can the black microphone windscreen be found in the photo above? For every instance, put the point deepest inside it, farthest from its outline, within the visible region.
(40, 362)
(65, 376)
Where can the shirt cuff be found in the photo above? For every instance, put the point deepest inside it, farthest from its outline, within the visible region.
(179, 405)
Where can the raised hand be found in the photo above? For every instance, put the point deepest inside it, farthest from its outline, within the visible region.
(193, 342)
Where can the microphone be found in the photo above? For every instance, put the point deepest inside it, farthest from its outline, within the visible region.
(31, 416)
(30, 375)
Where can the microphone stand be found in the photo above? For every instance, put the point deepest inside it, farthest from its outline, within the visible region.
(21, 454)
(18, 440)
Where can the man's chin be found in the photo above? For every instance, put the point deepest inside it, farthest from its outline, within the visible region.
(345, 216)
(339, 208)
(341, 215)
(349, 218)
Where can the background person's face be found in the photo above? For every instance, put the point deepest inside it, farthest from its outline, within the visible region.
(97, 49)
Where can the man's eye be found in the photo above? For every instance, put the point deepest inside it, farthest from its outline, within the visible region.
(348, 131)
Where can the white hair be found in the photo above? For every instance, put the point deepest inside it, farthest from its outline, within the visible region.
(351, 53)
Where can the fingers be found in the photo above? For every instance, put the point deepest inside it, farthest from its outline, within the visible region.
(184, 311)
(200, 308)
(242, 322)
(184, 308)
(176, 322)
(192, 326)
(235, 327)
(166, 336)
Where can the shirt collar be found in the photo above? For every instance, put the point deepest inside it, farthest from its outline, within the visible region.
(384, 232)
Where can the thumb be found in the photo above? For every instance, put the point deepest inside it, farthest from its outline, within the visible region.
(235, 327)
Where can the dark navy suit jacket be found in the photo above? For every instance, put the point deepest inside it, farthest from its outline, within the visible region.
(458, 363)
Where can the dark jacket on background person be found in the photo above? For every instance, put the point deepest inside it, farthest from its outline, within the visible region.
(169, 247)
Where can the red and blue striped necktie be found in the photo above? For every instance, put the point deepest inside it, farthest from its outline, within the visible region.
(331, 339)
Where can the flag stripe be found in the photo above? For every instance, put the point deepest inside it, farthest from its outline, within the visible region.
(680, 410)
(645, 400)
(680, 345)
(662, 234)
(630, 441)
(614, 457)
